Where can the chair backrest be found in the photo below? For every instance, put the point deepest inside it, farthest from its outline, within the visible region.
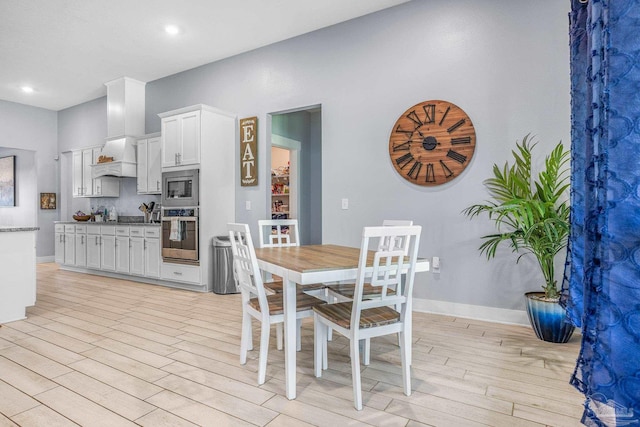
(278, 233)
(398, 241)
(390, 264)
(245, 265)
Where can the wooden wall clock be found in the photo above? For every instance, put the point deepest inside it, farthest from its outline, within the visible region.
(432, 143)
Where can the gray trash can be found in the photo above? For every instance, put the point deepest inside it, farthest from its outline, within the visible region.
(222, 266)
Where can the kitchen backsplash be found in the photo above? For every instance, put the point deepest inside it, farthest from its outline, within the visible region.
(128, 202)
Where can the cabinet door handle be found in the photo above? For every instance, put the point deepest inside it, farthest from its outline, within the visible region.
(158, 185)
(177, 273)
(82, 240)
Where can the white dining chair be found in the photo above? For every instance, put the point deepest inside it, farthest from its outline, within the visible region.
(267, 309)
(345, 291)
(278, 233)
(364, 318)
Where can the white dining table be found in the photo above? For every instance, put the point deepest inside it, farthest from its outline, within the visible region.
(305, 265)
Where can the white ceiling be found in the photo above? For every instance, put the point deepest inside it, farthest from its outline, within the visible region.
(67, 49)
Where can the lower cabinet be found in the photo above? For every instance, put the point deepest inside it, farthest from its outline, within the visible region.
(152, 257)
(81, 246)
(93, 246)
(69, 244)
(59, 243)
(180, 272)
(108, 248)
(122, 249)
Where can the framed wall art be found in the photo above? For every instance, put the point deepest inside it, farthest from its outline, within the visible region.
(8, 181)
(47, 200)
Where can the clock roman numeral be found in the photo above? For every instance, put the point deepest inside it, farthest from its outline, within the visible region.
(456, 156)
(464, 140)
(415, 170)
(413, 116)
(406, 132)
(404, 160)
(456, 125)
(444, 115)
(402, 147)
(448, 173)
(429, 113)
(431, 176)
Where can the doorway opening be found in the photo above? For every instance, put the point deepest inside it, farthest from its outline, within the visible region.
(296, 170)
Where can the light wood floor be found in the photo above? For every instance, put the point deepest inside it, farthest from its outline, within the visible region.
(98, 351)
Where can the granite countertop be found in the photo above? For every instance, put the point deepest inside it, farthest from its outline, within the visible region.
(9, 228)
(144, 224)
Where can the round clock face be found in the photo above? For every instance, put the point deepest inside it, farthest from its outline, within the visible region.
(432, 143)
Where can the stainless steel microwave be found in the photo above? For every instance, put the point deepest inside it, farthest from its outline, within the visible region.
(180, 188)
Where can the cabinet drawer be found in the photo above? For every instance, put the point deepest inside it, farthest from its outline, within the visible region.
(93, 229)
(81, 228)
(136, 231)
(69, 228)
(152, 232)
(59, 228)
(180, 272)
(108, 230)
(122, 230)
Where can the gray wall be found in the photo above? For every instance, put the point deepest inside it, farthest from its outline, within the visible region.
(35, 130)
(504, 62)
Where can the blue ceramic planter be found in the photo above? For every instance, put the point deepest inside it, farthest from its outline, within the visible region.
(548, 319)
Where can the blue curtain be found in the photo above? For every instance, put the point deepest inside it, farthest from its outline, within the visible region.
(601, 289)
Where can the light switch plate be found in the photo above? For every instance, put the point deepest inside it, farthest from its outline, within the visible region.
(345, 203)
(247, 205)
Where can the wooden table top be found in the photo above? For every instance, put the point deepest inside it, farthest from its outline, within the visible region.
(310, 258)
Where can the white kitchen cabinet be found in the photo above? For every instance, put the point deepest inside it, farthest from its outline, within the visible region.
(87, 181)
(59, 243)
(136, 247)
(93, 246)
(152, 252)
(108, 248)
(104, 186)
(81, 246)
(180, 272)
(122, 249)
(149, 168)
(69, 244)
(76, 180)
(181, 134)
(83, 183)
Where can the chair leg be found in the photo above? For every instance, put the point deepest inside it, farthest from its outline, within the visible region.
(279, 336)
(366, 353)
(318, 346)
(265, 329)
(246, 340)
(405, 358)
(298, 333)
(355, 373)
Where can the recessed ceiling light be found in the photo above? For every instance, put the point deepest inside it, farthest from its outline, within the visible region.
(172, 29)
(27, 89)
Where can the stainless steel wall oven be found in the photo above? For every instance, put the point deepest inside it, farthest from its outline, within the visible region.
(180, 235)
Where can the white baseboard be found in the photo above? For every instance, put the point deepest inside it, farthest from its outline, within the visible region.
(478, 312)
(42, 259)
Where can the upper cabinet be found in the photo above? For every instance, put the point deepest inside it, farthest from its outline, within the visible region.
(181, 134)
(83, 183)
(149, 171)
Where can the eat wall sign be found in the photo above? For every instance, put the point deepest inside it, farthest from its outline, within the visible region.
(248, 152)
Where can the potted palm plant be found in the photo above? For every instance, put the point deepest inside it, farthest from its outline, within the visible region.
(531, 215)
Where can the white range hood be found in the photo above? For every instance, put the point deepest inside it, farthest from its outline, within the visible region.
(125, 121)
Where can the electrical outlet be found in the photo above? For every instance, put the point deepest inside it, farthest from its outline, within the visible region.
(345, 203)
(247, 205)
(435, 263)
